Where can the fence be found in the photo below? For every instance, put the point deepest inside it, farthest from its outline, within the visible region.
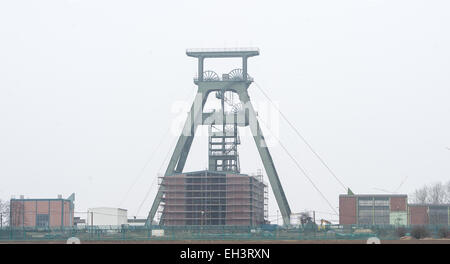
(139, 233)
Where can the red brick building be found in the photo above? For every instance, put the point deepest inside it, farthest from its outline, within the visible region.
(418, 215)
(57, 212)
(389, 209)
(347, 210)
(373, 209)
(213, 198)
(429, 214)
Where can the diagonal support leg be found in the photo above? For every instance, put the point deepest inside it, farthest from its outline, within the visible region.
(184, 154)
(182, 148)
(266, 159)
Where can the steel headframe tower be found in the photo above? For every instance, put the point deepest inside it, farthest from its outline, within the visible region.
(236, 81)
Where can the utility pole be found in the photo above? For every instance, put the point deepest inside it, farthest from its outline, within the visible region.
(1, 220)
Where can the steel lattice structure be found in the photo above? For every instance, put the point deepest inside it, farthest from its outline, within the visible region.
(238, 82)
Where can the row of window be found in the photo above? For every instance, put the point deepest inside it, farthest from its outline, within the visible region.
(438, 216)
(368, 216)
(372, 202)
(42, 220)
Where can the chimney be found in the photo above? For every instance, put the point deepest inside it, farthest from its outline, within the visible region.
(59, 196)
(22, 197)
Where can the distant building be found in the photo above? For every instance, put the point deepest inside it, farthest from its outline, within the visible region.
(213, 198)
(137, 222)
(389, 209)
(77, 221)
(47, 212)
(429, 214)
(106, 216)
(373, 209)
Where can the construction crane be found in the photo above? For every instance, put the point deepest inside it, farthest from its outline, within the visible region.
(324, 225)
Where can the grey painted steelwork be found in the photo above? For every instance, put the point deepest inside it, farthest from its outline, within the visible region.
(223, 154)
(245, 117)
(223, 53)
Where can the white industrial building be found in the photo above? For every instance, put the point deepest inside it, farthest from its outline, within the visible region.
(106, 216)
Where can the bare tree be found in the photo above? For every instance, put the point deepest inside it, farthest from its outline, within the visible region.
(4, 213)
(448, 192)
(305, 218)
(437, 193)
(420, 196)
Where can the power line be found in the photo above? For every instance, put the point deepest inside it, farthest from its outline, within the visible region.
(141, 173)
(154, 180)
(148, 161)
(302, 138)
(301, 169)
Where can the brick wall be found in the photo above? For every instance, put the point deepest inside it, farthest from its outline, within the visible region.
(398, 204)
(418, 215)
(24, 212)
(347, 210)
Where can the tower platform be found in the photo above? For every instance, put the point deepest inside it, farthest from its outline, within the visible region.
(223, 53)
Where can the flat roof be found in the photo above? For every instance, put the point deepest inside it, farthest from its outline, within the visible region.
(40, 199)
(209, 172)
(107, 208)
(70, 198)
(140, 220)
(428, 205)
(374, 195)
(222, 52)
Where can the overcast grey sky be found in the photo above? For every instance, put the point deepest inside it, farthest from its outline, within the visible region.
(89, 90)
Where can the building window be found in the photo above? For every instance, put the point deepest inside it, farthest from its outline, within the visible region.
(382, 202)
(381, 215)
(42, 220)
(365, 217)
(438, 215)
(365, 202)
